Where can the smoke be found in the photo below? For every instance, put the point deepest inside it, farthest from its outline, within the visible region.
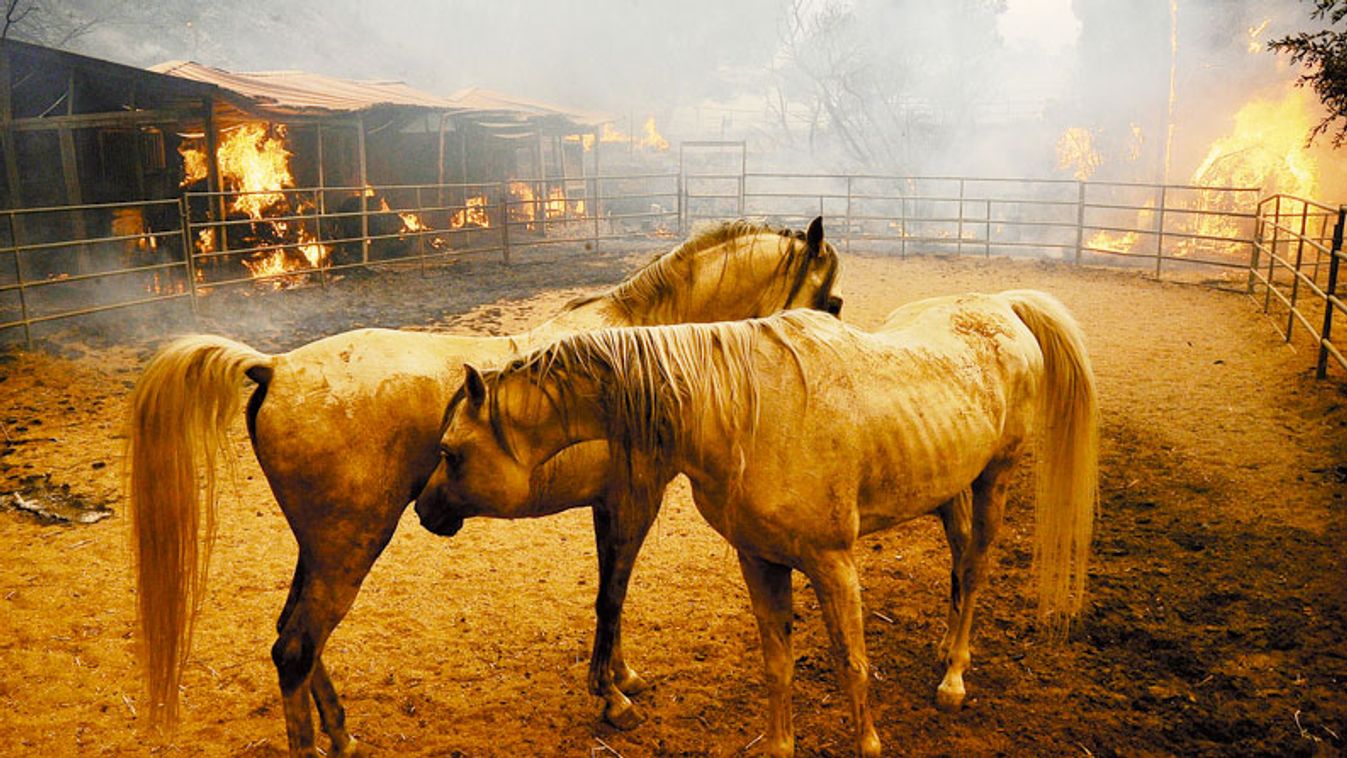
(980, 87)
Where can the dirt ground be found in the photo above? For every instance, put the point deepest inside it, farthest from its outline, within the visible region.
(1215, 625)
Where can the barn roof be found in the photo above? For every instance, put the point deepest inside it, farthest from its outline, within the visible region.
(301, 92)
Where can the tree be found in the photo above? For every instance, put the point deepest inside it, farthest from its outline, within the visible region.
(1324, 55)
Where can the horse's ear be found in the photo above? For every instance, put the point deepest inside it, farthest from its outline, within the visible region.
(475, 386)
(813, 236)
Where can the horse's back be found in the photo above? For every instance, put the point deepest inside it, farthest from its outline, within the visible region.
(355, 417)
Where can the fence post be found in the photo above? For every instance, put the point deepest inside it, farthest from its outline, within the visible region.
(505, 221)
(18, 279)
(1335, 258)
(848, 240)
(958, 245)
(987, 229)
(679, 188)
(1080, 221)
(902, 226)
(1295, 274)
(594, 208)
(188, 257)
(1255, 245)
(1160, 230)
(1272, 254)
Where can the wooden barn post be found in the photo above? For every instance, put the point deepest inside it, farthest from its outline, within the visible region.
(364, 184)
(215, 206)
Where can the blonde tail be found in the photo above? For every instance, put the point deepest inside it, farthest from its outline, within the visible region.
(1068, 457)
(180, 413)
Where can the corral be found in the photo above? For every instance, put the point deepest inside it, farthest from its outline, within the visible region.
(1214, 623)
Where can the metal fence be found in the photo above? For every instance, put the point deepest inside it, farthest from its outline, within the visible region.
(1293, 271)
(1283, 251)
(77, 261)
(1164, 226)
(52, 268)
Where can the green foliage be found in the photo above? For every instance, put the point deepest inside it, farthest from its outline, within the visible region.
(1324, 55)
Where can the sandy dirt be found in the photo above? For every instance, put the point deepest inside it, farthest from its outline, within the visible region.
(1215, 625)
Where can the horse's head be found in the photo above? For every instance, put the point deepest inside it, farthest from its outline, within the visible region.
(500, 430)
(736, 270)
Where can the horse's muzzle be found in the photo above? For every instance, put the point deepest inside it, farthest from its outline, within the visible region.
(435, 515)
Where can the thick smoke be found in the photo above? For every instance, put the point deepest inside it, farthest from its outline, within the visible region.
(979, 87)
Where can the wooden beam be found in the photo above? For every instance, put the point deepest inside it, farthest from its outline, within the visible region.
(363, 183)
(96, 120)
(73, 195)
(216, 206)
(6, 87)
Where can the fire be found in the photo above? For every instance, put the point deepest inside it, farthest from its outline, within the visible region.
(556, 203)
(586, 140)
(525, 211)
(1122, 242)
(253, 162)
(128, 222)
(1075, 151)
(650, 138)
(1266, 148)
(473, 214)
(1255, 45)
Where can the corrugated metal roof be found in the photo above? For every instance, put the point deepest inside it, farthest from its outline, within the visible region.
(303, 92)
(479, 99)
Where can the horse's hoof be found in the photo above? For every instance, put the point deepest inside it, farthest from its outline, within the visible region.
(632, 684)
(353, 749)
(623, 716)
(949, 699)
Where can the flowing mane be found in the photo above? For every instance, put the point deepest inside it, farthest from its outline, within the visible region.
(660, 389)
(658, 280)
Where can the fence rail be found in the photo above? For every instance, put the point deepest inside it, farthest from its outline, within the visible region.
(146, 254)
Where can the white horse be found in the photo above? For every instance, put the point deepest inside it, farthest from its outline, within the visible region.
(345, 430)
(800, 434)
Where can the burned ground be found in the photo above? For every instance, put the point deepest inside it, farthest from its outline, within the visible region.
(1214, 625)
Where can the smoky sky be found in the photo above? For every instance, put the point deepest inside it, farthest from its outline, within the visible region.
(786, 74)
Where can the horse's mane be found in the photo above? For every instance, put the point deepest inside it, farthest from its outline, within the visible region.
(659, 279)
(661, 388)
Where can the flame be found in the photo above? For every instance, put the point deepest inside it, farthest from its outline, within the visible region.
(473, 214)
(127, 222)
(1075, 151)
(650, 138)
(1122, 242)
(525, 211)
(253, 162)
(1256, 46)
(586, 140)
(1266, 148)
(556, 203)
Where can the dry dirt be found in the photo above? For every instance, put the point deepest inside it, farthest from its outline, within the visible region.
(1215, 625)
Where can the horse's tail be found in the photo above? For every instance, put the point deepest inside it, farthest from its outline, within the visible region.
(1068, 456)
(180, 412)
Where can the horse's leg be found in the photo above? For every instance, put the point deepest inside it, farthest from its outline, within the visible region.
(769, 589)
(619, 539)
(957, 516)
(625, 677)
(833, 574)
(983, 522)
(335, 565)
(330, 713)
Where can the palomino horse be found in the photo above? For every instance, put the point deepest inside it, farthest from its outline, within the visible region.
(346, 431)
(800, 434)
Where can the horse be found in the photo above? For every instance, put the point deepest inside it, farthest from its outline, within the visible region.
(800, 434)
(346, 431)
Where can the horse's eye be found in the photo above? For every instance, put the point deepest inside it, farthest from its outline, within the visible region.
(452, 459)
